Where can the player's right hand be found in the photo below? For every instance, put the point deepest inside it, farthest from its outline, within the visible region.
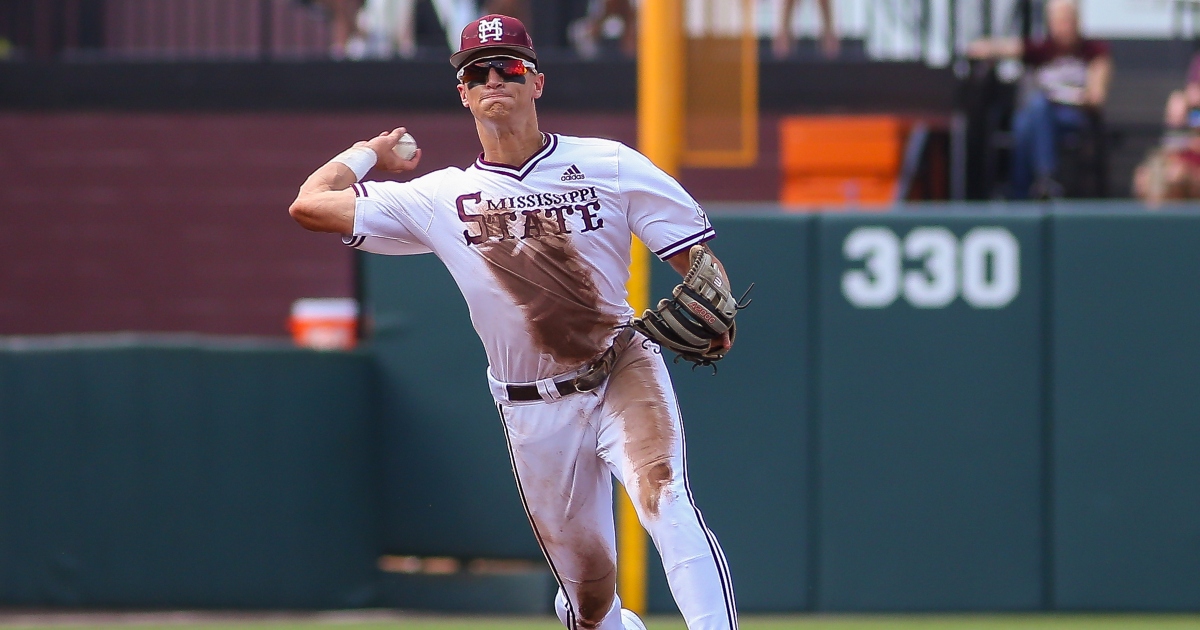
(386, 158)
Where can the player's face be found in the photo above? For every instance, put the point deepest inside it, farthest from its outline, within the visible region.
(499, 86)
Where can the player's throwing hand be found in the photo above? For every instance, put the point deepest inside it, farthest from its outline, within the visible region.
(388, 159)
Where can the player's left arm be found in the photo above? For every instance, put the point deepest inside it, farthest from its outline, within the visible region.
(681, 263)
(697, 320)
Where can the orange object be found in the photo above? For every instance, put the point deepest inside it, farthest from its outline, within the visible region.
(840, 160)
(324, 323)
(838, 191)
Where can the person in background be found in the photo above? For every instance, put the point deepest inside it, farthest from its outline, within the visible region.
(782, 44)
(611, 18)
(386, 28)
(1181, 104)
(1172, 170)
(343, 16)
(1071, 77)
(519, 9)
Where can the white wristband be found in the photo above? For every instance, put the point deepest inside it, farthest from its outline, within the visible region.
(357, 159)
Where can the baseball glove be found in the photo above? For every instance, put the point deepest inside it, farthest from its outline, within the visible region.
(700, 309)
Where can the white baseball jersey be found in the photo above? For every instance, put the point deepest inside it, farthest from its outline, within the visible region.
(540, 251)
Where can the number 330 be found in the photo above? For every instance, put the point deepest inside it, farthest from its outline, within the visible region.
(985, 267)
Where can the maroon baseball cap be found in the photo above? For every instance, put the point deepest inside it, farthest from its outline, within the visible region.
(498, 33)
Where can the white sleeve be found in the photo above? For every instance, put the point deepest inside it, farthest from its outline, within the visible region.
(386, 246)
(661, 213)
(394, 217)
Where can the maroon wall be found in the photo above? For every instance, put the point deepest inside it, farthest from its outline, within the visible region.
(178, 222)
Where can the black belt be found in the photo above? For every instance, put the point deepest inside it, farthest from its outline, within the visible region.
(589, 379)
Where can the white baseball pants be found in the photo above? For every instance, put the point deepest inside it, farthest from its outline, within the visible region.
(565, 452)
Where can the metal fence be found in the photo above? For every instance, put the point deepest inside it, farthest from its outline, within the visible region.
(162, 29)
(292, 29)
(934, 31)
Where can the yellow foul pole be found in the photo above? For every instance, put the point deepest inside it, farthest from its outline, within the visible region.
(661, 74)
(660, 138)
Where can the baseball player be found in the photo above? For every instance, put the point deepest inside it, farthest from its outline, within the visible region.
(537, 235)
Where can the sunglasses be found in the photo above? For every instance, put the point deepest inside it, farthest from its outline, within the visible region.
(510, 70)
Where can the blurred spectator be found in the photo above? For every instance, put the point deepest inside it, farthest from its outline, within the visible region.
(343, 17)
(1181, 104)
(1071, 76)
(782, 45)
(1172, 170)
(605, 18)
(386, 28)
(519, 9)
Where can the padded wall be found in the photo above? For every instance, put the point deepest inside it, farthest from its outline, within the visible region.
(1126, 416)
(187, 476)
(929, 412)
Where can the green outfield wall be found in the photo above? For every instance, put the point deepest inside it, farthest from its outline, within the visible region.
(928, 413)
(984, 407)
(155, 473)
(1124, 425)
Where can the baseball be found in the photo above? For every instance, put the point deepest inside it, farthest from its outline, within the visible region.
(407, 147)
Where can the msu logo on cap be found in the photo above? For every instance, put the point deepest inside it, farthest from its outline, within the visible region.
(490, 29)
(496, 35)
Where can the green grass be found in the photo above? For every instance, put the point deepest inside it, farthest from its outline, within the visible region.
(757, 622)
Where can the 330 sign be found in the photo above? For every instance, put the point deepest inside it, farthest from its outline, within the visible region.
(984, 268)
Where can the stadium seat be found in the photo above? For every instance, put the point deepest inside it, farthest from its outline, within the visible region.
(841, 161)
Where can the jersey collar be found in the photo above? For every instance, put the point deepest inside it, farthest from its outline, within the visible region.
(549, 143)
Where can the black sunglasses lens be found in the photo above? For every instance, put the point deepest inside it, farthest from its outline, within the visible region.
(475, 74)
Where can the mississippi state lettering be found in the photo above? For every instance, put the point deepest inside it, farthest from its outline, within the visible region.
(478, 220)
(497, 219)
(541, 199)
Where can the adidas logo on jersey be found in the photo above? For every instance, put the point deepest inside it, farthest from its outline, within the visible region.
(571, 174)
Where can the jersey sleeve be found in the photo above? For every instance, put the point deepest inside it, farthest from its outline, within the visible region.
(661, 213)
(394, 217)
(385, 246)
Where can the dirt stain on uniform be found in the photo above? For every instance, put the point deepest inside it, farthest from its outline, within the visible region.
(596, 594)
(637, 398)
(593, 574)
(554, 287)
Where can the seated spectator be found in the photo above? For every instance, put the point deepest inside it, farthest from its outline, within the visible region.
(1071, 81)
(1172, 170)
